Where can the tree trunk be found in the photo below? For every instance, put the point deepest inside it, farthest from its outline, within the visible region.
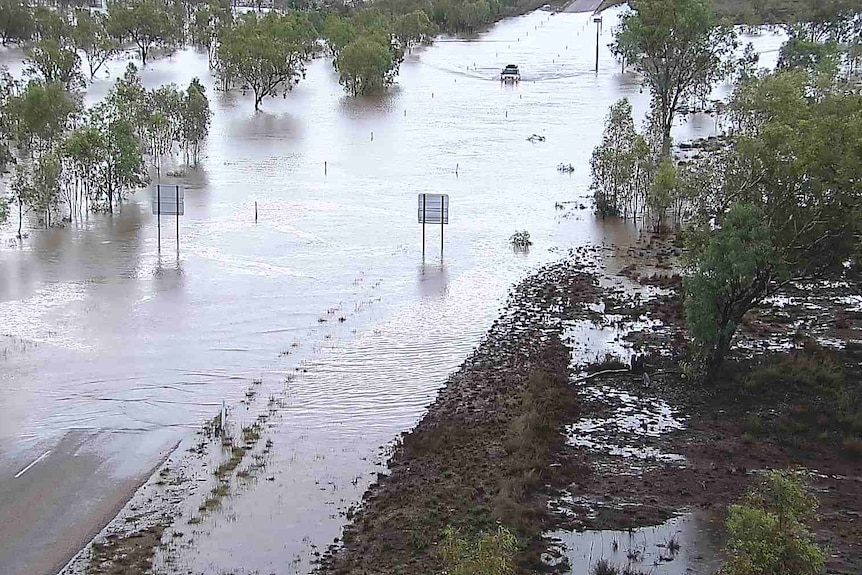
(20, 217)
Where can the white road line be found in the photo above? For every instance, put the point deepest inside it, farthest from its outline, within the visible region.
(37, 460)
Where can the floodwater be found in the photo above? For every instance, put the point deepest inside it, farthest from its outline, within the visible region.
(678, 547)
(103, 336)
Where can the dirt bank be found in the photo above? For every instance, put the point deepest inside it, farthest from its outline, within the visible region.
(489, 449)
(616, 449)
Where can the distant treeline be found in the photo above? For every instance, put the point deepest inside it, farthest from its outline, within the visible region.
(757, 12)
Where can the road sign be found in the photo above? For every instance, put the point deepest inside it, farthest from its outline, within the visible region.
(434, 208)
(168, 200)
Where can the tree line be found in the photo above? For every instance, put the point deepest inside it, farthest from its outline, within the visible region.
(778, 199)
(68, 160)
(367, 40)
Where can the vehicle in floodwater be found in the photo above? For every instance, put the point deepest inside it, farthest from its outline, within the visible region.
(510, 74)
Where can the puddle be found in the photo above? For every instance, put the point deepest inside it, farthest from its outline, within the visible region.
(632, 424)
(685, 544)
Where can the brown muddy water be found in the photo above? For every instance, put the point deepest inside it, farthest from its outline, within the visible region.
(327, 298)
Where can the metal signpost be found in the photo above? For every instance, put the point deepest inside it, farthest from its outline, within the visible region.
(433, 209)
(598, 21)
(168, 200)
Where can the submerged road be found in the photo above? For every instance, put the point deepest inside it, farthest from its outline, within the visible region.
(577, 6)
(55, 504)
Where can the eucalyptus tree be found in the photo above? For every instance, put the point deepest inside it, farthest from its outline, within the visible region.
(148, 23)
(40, 115)
(791, 202)
(266, 53)
(16, 21)
(90, 36)
(678, 49)
(54, 62)
(195, 120)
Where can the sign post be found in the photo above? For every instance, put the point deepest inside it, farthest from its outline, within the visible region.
(598, 21)
(433, 209)
(168, 204)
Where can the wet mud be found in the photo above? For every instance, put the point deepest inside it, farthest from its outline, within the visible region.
(641, 464)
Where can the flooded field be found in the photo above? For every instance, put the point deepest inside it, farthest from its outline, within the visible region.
(115, 352)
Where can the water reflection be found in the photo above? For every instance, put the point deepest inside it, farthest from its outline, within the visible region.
(433, 279)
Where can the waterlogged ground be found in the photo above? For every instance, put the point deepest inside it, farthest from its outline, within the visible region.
(323, 316)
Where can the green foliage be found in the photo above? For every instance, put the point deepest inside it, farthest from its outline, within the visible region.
(195, 121)
(767, 532)
(50, 24)
(90, 36)
(40, 115)
(339, 32)
(621, 166)
(490, 553)
(800, 372)
(8, 88)
(677, 48)
(802, 52)
(662, 193)
(413, 28)
(790, 180)
(731, 272)
(266, 53)
(16, 21)
(148, 23)
(35, 187)
(365, 65)
(54, 62)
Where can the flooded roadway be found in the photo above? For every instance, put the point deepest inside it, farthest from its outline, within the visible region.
(110, 352)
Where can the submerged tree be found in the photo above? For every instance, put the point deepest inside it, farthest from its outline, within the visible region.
(148, 23)
(90, 36)
(195, 120)
(40, 115)
(54, 62)
(677, 48)
(266, 53)
(621, 165)
(365, 65)
(16, 21)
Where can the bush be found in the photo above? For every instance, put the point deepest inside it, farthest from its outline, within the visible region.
(603, 567)
(521, 240)
(800, 371)
(767, 533)
(490, 553)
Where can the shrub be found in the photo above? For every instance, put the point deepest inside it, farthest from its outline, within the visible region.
(489, 553)
(521, 240)
(603, 567)
(767, 532)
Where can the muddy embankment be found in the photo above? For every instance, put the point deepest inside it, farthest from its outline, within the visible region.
(518, 437)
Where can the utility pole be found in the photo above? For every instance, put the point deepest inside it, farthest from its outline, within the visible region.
(598, 21)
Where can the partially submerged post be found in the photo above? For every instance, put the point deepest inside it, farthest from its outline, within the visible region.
(598, 21)
(172, 202)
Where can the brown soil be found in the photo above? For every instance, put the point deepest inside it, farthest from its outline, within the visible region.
(477, 458)
(489, 449)
(122, 554)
